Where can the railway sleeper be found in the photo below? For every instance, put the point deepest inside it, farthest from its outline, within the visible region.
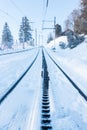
(45, 92)
(45, 100)
(46, 121)
(45, 97)
(44, 127)
(46, 111)
(45, 103)
(46, 115)
(45, 107)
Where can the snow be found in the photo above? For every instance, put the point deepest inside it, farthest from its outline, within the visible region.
(70, 110)
(21, 110)
(73, 62)
(10, 65)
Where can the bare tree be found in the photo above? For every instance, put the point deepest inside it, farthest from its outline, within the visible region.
(83, 16)
(68, 24)
(72, 20)
(84, 9)
(76, 20)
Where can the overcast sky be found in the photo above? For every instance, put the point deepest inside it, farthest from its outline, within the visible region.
(12, 11)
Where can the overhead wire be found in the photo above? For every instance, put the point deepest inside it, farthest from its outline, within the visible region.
(17, 7)
(45, 11)
(7, 14)
(4, 12)
(11, 16)
(47, 3)
(46, 6)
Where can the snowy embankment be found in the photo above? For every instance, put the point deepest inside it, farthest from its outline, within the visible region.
(73, 61)
(10, 71)
(21, 108)
(70, 109)
(15, 50)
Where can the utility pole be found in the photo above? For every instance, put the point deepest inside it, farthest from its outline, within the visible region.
(36, 36)
(54, 31)
(48, 28)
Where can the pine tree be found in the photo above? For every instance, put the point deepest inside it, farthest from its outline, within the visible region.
(21, 38)
(25, 31)
(7, 38)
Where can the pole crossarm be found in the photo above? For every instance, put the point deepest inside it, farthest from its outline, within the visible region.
(47, 28)
(47, 21)
(44, 21)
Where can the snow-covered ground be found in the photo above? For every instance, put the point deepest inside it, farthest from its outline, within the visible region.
(73, 61)
(12, 66)
(70, 111)
(18, 111)
(21, 110)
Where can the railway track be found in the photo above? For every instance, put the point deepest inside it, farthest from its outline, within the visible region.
(16, 82)
(46, 120)
(25, 96)
(45, 113)
(60, 96)
(69, 79)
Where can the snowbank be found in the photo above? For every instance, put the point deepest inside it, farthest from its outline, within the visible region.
(73, 61)
(55, 43)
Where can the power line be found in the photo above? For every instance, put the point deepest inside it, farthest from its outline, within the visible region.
(45, 7)
(6, 13)
(17, 7)
(12, 17)
(47, 3)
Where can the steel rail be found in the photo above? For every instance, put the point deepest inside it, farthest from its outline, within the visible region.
(17, 82)
(70, 80)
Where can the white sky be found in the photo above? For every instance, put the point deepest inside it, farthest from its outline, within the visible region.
(11, 11)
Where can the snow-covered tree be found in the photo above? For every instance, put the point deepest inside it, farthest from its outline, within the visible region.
(25, 31)
(21, 37)
(7, 38)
